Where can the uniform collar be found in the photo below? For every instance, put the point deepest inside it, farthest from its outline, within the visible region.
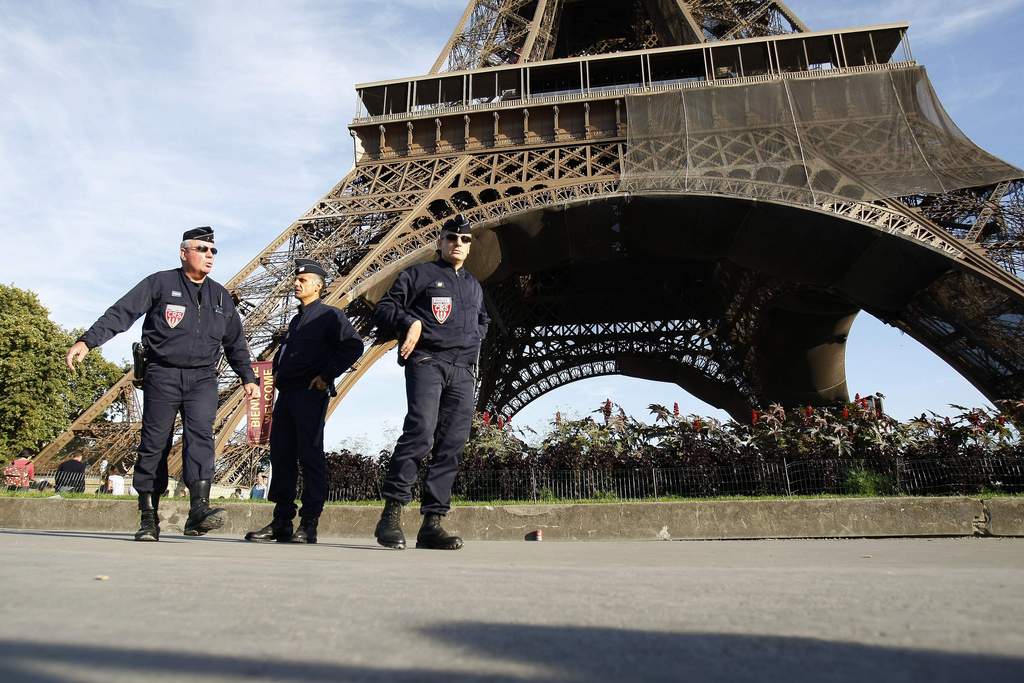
(444, 264)
(190, 281)
(312, 304)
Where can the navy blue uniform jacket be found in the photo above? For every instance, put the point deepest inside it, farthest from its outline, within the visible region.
(321, 342)
(449, 303)
(178, 332)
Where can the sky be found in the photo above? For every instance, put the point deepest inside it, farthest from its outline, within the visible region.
(122, 124)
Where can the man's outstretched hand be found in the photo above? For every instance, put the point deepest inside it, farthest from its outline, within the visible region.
(76, 354)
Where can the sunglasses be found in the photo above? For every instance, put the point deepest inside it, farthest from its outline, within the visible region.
(452, 237)
(202, 249)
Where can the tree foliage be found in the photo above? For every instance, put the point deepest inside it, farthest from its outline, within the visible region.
(40, 396)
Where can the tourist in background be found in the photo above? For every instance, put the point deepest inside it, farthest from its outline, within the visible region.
(21, 473)
(115, 481)
(259, 489)
(70, 477)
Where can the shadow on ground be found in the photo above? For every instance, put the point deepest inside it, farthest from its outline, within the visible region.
(552, 654)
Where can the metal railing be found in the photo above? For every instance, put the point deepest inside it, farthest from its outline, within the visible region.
(899, 476)
(894, 476)
(612, 91)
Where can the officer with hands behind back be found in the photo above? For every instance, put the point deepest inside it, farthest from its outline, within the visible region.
(438, 313)
(189, 317)
(320, 345)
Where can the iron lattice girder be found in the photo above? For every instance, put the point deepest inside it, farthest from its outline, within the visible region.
(495, 32)
(988, 215)
(556, 326)
(491, 32)
(349, 233)
(730, 19)
(545, 357)
(975, 327)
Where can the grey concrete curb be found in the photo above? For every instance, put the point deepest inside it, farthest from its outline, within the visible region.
(783, 518)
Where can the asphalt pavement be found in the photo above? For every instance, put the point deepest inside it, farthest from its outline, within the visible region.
(91, 606)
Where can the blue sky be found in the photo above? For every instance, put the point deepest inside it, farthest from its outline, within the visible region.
(124, 123)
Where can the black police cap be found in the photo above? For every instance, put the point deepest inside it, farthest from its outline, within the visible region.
(305, 265)
(457, 224)
(203, 234)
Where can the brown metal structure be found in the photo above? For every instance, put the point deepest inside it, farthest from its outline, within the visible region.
(742, 299)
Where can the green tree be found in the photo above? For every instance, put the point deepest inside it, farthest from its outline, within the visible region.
(39, 396)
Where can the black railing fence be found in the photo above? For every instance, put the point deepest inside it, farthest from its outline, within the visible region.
(947, 476)
(897, 476)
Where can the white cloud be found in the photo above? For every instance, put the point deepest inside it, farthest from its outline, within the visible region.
(931, 21)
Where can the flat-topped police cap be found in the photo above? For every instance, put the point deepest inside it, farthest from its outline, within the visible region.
(305, 265)
(457, 224)
(203, 234)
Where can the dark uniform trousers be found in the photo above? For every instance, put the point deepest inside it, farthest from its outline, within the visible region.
(168, 391)
(440, 416)
(297, 437)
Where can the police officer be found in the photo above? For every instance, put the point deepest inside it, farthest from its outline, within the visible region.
(437, 311)
(189, 317)
(320, 345)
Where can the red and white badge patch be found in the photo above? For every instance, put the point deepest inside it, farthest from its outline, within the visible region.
(173, 314)
(441, 306)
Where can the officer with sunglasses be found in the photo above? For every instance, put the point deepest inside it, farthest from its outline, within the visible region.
(437, 311)
(189, 317)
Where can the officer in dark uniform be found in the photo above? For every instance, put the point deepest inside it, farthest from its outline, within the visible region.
(437, 311)
(320, 345)
(189, 317)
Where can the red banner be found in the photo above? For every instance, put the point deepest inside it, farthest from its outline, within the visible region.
(261, 409)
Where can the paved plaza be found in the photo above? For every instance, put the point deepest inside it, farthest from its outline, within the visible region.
(217, 609)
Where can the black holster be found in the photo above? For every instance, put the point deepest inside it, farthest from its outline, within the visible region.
(139, 353)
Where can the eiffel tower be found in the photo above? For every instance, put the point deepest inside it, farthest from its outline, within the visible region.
(696, 191)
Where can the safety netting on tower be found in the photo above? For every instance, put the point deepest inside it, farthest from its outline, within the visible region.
(808, 140)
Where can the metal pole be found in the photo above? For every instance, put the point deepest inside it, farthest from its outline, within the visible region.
(785, 467)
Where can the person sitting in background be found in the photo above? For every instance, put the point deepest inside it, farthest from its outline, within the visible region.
(70, 477)
(115, 481)
(259, 489)
(21, 473)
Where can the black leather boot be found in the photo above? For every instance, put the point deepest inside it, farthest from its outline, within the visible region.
(148, 528)
(306, 533)
(279, 530)
(201, 517)
(433, 537)
(389, 528)
(155, 497)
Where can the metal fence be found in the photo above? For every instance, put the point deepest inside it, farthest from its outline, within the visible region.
(947, 476)
(943, 476)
